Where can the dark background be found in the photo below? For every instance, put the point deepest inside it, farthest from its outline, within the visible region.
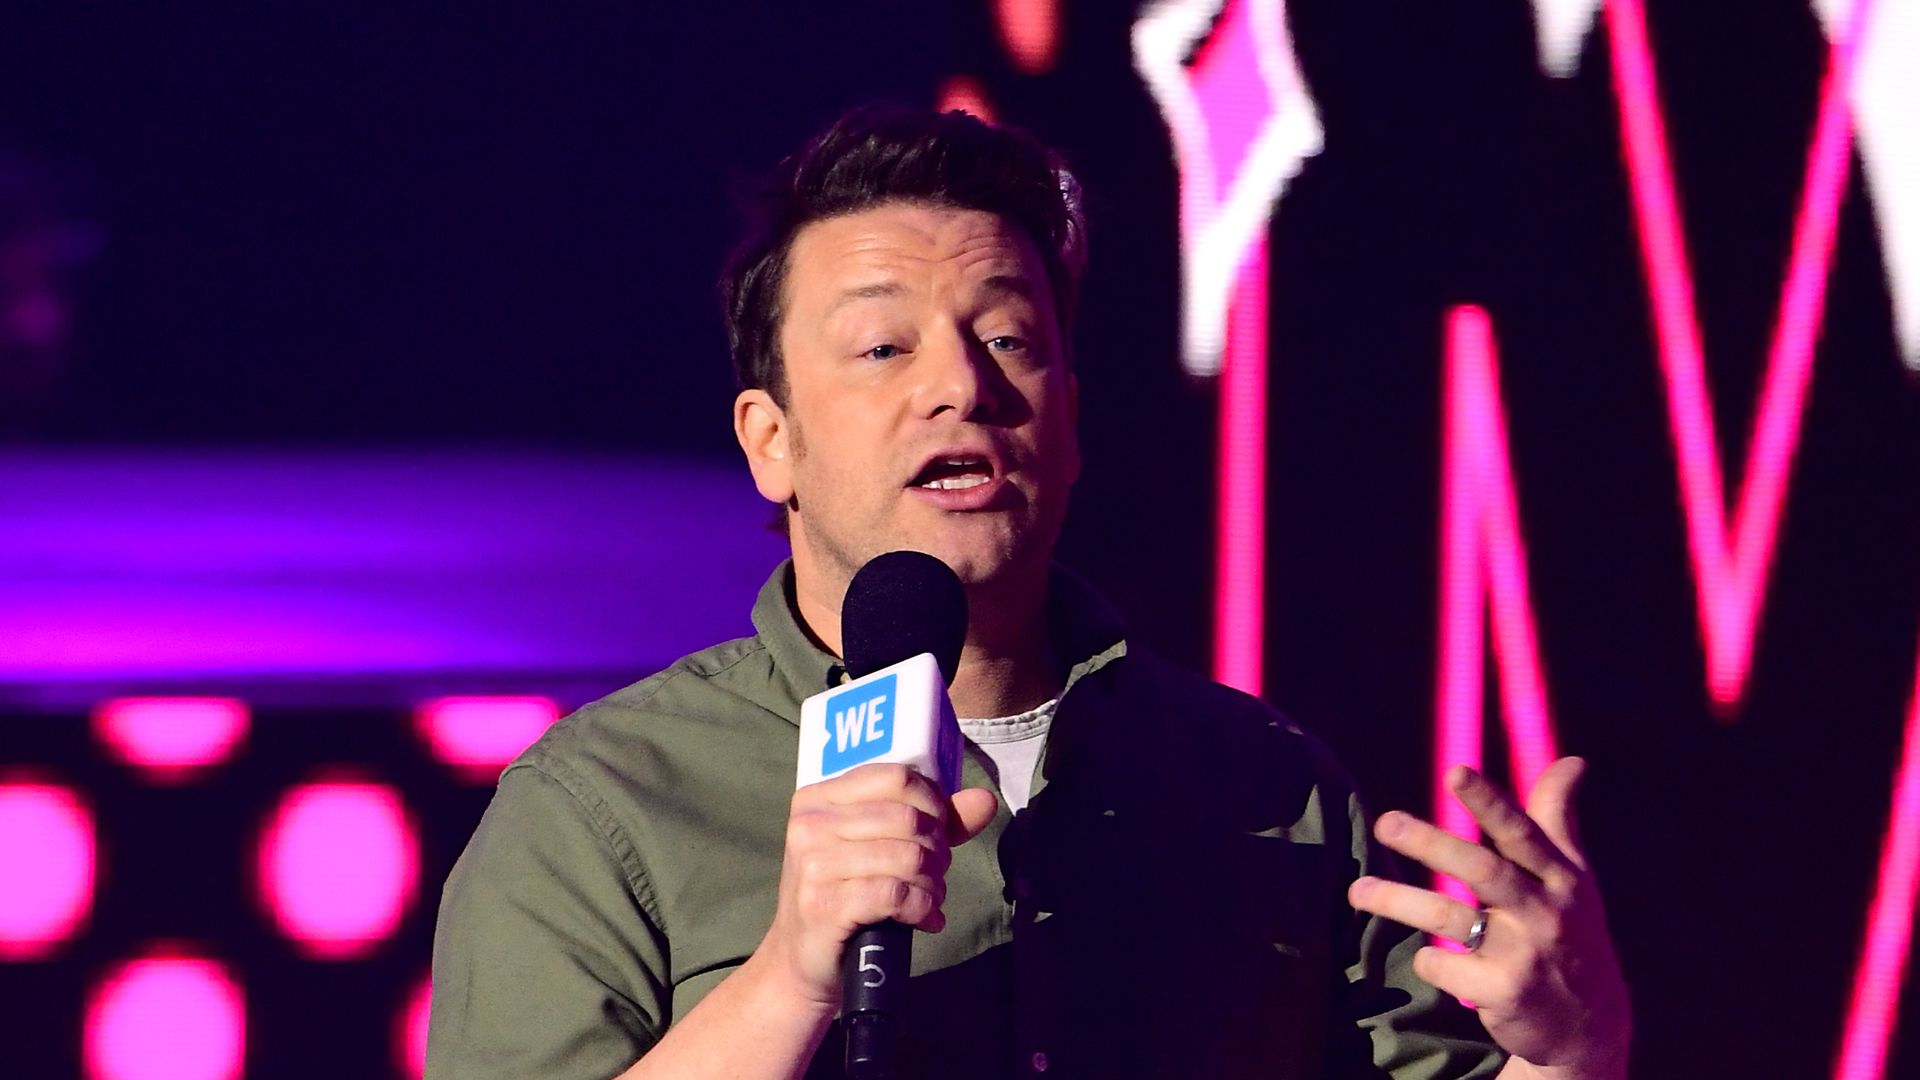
(407, 225)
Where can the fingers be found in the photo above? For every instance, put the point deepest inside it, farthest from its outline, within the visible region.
(905, 860)
(1513, 833)
(1493, 879)
(1545, 982)
(864, 847)
(901, 881)
(1551, 804)
(868, 821)
(973, 810)
(1463, 975)
(873, 844)
(851, 903)
(879, 782)
(869, 842)
(1422, 909)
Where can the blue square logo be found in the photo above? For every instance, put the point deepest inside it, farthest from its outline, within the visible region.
(859, 726)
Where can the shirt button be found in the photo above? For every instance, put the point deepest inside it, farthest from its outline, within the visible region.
(1039, 1061)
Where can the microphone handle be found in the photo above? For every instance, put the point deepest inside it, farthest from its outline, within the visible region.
(874, 972)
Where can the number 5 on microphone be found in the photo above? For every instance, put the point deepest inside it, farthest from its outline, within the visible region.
(879, 977)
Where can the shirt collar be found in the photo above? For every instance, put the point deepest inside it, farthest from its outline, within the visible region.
(798, 661)
(1086, 633)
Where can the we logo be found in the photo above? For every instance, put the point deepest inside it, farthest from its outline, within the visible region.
(859, 725)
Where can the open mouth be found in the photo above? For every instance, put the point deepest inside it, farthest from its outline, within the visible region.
(954, 473)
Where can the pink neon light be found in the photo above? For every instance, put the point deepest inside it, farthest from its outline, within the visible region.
(170, 739)
(965, 95)
(1228, 84)
(1241, 530)
(1731, 572)
(339, 864)
(1029, 32)
(166, 1018)
(479, 736)
(47, 847)
(411, 1030)
(1482, 561)
(1875, 1006)
(1242, 123)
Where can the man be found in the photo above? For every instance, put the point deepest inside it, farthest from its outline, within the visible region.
(1146, 874)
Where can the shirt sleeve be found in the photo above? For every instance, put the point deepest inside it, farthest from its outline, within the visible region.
(1388, 1021)
(546, 961)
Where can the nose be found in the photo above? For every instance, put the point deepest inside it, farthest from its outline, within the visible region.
(959, 374)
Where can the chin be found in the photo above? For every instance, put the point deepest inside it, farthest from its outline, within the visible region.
(972, 570)
(979, 563)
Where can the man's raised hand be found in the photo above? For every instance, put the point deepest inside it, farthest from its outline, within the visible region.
(1544, 977)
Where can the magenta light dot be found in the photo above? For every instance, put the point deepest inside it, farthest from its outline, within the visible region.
(339, 863)
(170, 739)
(478, 736)
(166, 1018)
(411, 1030)
(47, 848)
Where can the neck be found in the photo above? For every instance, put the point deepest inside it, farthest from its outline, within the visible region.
(1006, 666)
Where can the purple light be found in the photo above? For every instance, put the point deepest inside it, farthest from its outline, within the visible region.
(339, 865)
(171, 739)
(166, 1017)
(47, 847)
(391, 569)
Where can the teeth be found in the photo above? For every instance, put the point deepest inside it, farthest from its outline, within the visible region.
(957, 473)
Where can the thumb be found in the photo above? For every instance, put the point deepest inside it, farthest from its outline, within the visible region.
(973, 808)
(1551, 805)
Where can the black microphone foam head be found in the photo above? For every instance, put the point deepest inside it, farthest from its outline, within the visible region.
(899, 605)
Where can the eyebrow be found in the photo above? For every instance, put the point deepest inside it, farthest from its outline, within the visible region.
(865, 292)
(1014, 284)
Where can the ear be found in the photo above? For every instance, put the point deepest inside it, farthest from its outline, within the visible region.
(760, 426)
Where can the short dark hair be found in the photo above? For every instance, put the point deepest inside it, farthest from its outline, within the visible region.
(879, 154)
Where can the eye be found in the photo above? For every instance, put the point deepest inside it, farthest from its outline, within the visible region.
(882, 352)
(1007, 343)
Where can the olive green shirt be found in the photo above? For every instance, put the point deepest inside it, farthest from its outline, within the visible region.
(1171, 903)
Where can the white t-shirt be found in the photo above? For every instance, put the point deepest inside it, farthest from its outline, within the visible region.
(1012, 746)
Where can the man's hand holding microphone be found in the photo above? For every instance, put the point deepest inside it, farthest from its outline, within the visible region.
(864, 847)
(870, 834)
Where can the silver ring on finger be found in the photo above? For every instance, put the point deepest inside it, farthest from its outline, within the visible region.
(1476, 934)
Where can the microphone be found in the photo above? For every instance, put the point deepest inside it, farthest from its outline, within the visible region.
(902, 625)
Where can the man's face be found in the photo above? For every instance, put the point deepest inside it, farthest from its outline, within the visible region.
(928, 401)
